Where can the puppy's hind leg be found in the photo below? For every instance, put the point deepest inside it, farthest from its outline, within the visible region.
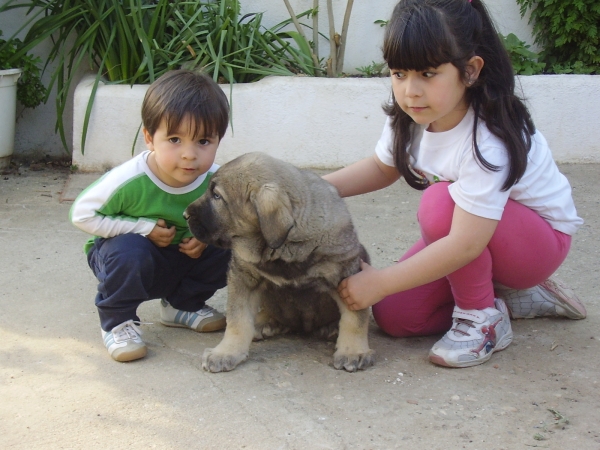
(265, 326)
(328, 332)
(352, 346)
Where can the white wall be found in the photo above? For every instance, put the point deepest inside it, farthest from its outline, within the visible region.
(326, 122)
(35, 128)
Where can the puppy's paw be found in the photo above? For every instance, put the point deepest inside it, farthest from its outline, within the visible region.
(213, 361)
(353, 362)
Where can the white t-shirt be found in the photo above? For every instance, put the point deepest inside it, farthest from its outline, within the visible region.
(448, 156)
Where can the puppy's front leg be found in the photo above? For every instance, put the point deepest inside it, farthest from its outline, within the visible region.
(352, 346)
(242, 307)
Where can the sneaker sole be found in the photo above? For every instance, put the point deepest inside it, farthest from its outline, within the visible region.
(130, 355)
(217, 325)
(504, 342)
(567, 300)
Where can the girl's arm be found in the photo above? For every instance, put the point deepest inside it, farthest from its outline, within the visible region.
(468, 237)
(366, 175)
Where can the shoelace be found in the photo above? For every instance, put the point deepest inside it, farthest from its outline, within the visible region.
(127, 330)
(466, 324)
(205, 311)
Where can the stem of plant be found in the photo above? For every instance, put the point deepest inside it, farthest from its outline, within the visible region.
(300, 30)
(332, 62)
(315, 30)
(340, 61)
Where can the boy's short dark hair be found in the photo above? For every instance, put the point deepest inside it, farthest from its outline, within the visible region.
(182, 94)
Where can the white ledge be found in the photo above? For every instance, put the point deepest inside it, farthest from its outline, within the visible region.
(324, 122)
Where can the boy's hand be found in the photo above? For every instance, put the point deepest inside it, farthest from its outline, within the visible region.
(192, 247)
(161, 235)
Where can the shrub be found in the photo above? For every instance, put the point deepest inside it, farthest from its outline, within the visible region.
(136, 41)
(524, 61)
(374, 70)
(30, 90)
(569, 33)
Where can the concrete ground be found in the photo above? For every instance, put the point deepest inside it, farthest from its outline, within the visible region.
(59, 389)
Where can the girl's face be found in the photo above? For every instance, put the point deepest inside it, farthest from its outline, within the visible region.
(435, 96)
(178, 159)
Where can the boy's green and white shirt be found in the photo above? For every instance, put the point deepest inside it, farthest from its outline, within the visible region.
(131, 199)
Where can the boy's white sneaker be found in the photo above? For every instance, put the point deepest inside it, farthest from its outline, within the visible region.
(548, 299)
(475, 335)
(204, 320)
(124, 343)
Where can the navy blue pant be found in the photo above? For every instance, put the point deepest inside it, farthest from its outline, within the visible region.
(131, 269)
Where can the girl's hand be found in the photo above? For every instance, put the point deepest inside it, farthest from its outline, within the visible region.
(161, 235)
(192, 247)
(361, 290)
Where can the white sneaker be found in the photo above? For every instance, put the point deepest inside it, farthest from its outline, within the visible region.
(548, 299)
(474, 337)
(124, 343)
(204, 320)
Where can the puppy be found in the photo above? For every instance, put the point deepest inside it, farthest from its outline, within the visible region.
(292, 242)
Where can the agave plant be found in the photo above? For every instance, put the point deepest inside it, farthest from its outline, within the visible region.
(238, 49)
(136, 41)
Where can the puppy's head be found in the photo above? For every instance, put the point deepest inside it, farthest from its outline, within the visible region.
(243, 201)
(205, 219)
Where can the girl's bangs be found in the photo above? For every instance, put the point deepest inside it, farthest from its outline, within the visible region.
(420, 43)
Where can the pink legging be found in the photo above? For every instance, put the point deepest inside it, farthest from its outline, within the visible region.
(524, 251)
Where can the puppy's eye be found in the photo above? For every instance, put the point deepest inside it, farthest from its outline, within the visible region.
(213, 191)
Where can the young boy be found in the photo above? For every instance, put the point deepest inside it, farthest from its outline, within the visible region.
(142, 248)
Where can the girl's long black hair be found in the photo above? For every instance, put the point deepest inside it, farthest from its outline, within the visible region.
(424, 34)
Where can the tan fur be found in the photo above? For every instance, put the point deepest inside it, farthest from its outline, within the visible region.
(292, 242)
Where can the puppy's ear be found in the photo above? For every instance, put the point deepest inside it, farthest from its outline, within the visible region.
(274, 211)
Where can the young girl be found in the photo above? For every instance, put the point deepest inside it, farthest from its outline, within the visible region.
(495, 210)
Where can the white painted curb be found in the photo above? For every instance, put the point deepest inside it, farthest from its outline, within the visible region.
(326, 123)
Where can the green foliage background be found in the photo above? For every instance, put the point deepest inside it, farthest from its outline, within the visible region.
(30, 89)
(569, 33)
(136, 41)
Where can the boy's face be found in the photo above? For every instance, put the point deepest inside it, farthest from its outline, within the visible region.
(178, 159)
